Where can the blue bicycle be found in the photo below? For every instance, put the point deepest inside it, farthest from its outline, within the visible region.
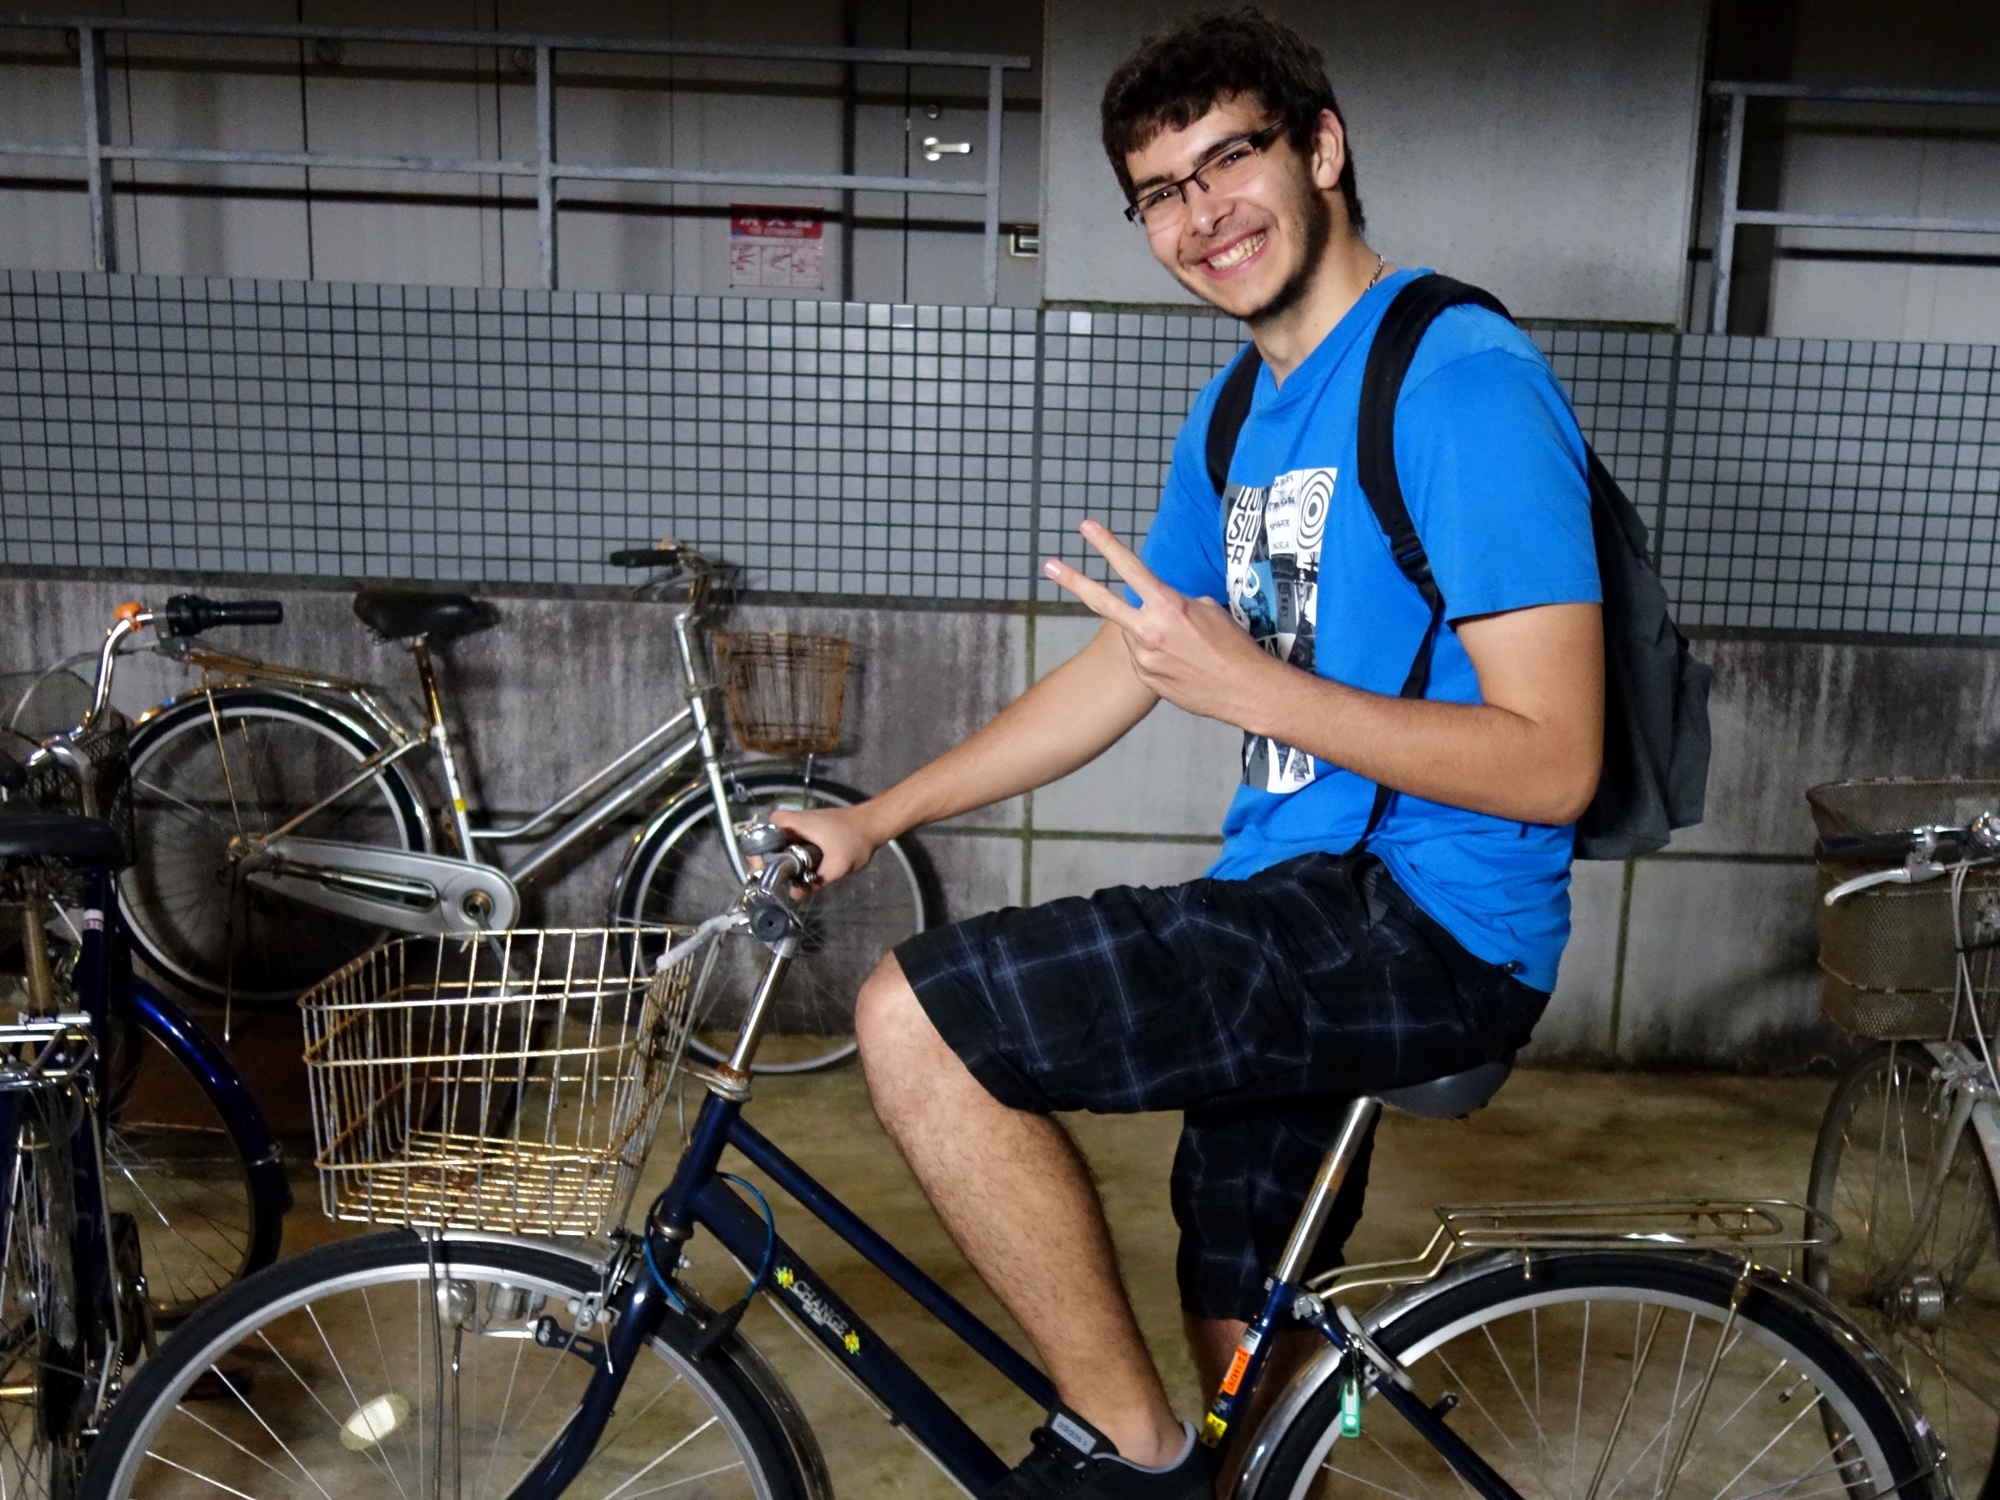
(139, 1175)
(490, 1098)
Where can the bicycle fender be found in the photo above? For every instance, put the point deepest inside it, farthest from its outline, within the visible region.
(246, 1123)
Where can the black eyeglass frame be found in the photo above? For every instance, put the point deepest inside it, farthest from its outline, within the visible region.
(1258, 141)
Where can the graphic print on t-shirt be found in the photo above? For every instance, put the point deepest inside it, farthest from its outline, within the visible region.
(1271, 542)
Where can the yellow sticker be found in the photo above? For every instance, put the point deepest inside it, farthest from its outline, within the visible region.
(852, 1343)
(784, 1276)
(1212, 1429)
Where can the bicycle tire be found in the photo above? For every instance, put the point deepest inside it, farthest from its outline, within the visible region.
(218, 764)
(678, 872)
(1929, 1300)
(203, 1182)
(49, 1347)
(301, 1344)
(1499, 1333)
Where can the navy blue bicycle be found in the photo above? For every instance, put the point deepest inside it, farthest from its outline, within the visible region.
(139, 1175)
(493, 1097)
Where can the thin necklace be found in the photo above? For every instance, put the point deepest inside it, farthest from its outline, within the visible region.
(1381, 265)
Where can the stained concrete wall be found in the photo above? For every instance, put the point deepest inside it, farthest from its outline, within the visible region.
(1544, 150)
(1699, 957)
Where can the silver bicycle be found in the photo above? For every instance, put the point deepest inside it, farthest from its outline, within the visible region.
(281, 829)
(1909, 1147)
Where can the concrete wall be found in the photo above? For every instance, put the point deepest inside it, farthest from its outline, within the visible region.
(690, 113)
(1699, 957)
(1546, 151)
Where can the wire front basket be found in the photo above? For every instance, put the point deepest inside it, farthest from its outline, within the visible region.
(1889, 954)
(511, 1083)
(785, 691)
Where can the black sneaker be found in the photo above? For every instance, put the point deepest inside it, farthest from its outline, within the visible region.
(1071, 1460)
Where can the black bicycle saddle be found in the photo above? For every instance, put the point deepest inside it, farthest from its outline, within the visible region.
(1454, 1096)
(404, 614)
(86, 843)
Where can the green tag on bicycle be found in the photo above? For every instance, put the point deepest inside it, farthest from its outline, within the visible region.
(1350, 1408)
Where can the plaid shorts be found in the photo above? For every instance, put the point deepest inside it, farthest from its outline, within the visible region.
(1257, 1007)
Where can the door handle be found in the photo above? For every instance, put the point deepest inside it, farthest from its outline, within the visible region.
(937, 150)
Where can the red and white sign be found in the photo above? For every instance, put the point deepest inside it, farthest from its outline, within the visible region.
(776, 247)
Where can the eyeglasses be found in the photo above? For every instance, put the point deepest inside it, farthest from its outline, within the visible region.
(1229, 168)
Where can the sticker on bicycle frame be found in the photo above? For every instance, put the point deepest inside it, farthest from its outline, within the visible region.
(1233, 1381)
(93, 919)
(1212, 1429)
(817, 1309)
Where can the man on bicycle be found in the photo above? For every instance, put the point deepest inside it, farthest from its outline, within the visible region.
(1303, 969)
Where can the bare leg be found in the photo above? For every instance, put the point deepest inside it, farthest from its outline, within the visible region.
(1016, 1196)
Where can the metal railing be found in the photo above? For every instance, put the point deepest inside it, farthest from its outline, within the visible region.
(98, 151)
(1733, 216)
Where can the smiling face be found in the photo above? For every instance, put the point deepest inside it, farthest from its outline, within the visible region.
(1254, 250)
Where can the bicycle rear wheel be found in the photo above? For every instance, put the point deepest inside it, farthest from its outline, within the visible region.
(1921, 1275)
(679, 874)
(218, 766)
(386, 1365)
(1616, 1376)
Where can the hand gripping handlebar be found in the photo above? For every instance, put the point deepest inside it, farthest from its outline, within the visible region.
(789, 861)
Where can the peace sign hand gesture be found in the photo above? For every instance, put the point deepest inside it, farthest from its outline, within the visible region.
(1189, 651)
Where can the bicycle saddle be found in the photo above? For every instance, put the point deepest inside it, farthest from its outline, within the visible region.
(1453, 1096)
(403, 614)
(87, 843)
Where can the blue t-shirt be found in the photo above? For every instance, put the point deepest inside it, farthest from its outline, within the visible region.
(1492, 468)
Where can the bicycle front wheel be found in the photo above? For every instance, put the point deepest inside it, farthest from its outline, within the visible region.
(388, 1366)
(183, 1163)
(47, 1348)
(222, 766)
(679, 873)
(1899, 1169)
(1608, 1374)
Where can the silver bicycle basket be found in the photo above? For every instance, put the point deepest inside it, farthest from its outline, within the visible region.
(512, 1084)
(1887, 954)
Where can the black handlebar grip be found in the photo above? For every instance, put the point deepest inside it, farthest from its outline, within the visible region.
(1879, 849)
(646, 557)
(770, 918)
(190, 614)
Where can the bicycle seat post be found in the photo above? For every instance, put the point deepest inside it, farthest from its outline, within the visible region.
(1326, 1186)
(420, 653)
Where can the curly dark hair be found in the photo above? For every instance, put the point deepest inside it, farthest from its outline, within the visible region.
(1178, 76)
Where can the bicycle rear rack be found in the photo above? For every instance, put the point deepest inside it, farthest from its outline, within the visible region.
(1749, 1227)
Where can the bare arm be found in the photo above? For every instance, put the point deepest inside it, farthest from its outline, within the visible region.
(1530, 751)
(1066, 720)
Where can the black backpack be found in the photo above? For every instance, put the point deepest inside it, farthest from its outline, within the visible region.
(1656, 739)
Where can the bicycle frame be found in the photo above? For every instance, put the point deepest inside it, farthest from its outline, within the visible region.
(602, 797)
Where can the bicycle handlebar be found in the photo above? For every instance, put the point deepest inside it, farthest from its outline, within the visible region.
(190, 614)
(789, 861)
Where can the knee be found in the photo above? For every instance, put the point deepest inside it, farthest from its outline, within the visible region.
(899, 1046)
(887, 1014)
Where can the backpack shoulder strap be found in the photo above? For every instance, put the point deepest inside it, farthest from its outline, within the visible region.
(1232, 409)
(1403, 326)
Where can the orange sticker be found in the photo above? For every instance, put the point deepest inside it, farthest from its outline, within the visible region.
(1236, 1368)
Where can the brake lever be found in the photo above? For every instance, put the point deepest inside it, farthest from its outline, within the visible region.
(1914, 872)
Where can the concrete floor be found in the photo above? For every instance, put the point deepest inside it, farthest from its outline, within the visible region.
(1547, 1135)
